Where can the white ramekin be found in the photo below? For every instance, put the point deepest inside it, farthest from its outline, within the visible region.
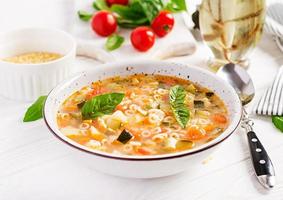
(25, 82)
(143, 166)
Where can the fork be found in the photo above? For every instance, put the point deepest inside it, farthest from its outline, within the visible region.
(271, 103)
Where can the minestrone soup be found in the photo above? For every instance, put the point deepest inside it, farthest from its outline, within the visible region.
(142, 115)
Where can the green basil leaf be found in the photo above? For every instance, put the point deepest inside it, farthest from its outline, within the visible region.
(133, 11)
(177, 96)
(151, 8)
(130, 16)
(278, 122)
(85, 16)
(176, 5)
(101, 105)
(100, 5)
(114, 42)
(127, 23)
(34, 112)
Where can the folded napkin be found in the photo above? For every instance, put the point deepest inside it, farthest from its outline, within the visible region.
(271, 103)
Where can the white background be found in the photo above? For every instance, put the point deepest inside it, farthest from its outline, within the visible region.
(35, 165)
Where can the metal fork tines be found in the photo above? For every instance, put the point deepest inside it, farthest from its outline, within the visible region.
(271, 103)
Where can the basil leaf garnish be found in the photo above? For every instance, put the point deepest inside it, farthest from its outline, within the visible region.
(101, 105)
(151, 8)
(114, 42)
(278, 122)
(100, 5)
(34, 112)
(84, 16)
(176, 5)
(130, 16)
(177, 96)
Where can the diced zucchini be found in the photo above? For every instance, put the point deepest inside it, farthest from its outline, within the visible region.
(209, 94)
(203, 113)
(119, 115)
(161, 85)
(77, 115)
(206, 101)
(113, 123)
(124, 137)
(216, 131)
(93, 144)
(170, 144)
(184, 144)
(190, 99)
(191, 88)
(135, 81)
(198, 104)
(89, 121)
(81, 104)
(115, 120)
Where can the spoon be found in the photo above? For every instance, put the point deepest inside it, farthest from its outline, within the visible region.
(242, 83)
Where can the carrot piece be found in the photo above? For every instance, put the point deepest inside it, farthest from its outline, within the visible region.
(194, 133)
(99, 126)
(143, 151)
(81, 139)
(120, 107)
(165, 98)
(97, 90)
(70, 108)
(63, 122)
(128, 93)
(168, 81)
(134, 131)
(146, 121)
(219, 118)
(209, 127)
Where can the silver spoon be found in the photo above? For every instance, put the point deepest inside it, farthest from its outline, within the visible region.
(242, 83)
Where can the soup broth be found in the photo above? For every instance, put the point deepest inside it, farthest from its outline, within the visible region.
(142, 115)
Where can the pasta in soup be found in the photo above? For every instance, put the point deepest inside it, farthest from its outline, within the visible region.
(142, 115)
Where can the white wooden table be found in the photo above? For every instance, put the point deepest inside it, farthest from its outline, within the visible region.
(34, 165)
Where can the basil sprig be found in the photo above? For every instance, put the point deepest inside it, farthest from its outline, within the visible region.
(34, 112)
(278, 122)
(176, 5)
(101, 105)
(114, 42)
(151, 8)
(84, 16)
(177, 96)
(140, 12)
(100, 5)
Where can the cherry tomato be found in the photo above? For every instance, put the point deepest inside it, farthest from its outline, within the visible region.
(163, 23)
(104, 23)
(121, 2)
(142, 38)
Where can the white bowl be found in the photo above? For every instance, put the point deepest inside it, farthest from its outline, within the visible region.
(144, 166)
(25, 82)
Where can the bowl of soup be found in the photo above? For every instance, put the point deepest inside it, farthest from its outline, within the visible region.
(143, 119)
